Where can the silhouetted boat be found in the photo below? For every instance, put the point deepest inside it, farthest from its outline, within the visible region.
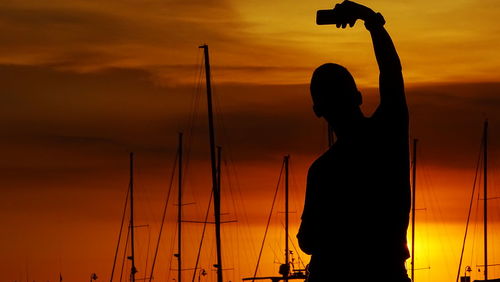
(485, 215)
(286, 270)
(129, 199)
(215, 169)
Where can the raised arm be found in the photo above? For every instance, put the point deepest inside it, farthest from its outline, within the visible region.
(391, 83)
(392, 96)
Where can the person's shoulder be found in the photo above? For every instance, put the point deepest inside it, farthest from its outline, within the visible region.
(322, 160)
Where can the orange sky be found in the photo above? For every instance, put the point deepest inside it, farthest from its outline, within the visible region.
(85, 82)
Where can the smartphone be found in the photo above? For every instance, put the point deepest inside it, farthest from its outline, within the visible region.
(326, 17)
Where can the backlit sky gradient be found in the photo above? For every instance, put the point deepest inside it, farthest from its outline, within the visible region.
(83, 83)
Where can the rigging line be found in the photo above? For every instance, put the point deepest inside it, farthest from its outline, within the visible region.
(276, 249)
(233, 182)
(269, 220)
(199, 60)
(124, 254)
(171, 250)
(438, 215)
(299, 259)
(235, 250)
(164, 214)
(193, 119)
(230, 188)
(294, 193)
(433, 214)
(147, 252)
(297, 216)
(119, 235)
(197, 82)
(225, 140)
(297, 204)
(190, 125)
(193, 112)
(426, 182)
(238, 205)
(293, 245)
(202, 236)
(195, 100)
(470, 209)
(476, 221)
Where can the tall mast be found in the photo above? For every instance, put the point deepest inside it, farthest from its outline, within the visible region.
(414, 182)
(215, 186)
(179, 214)
(287, 249)
(485, 158)
(132, 255)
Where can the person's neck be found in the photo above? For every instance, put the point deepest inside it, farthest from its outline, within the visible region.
(348, 128)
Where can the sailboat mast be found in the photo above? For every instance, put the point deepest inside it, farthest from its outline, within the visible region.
(287, 249)
(179, 214)
(132, 255)
(485, 166)
(215, 186)
(414, 182)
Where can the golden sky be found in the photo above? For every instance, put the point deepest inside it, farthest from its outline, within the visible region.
(85, 82)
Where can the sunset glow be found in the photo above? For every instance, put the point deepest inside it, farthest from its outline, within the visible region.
(83, 83)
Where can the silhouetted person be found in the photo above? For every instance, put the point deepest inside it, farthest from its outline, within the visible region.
(357, 203)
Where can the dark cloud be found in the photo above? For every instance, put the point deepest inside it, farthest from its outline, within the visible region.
(95, 35)
(119, 110)
(448, 118)
(159, 36)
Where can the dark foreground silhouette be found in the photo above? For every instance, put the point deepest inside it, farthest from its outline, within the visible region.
(357, 203)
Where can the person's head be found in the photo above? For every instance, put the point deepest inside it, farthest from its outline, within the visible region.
(334, 93)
